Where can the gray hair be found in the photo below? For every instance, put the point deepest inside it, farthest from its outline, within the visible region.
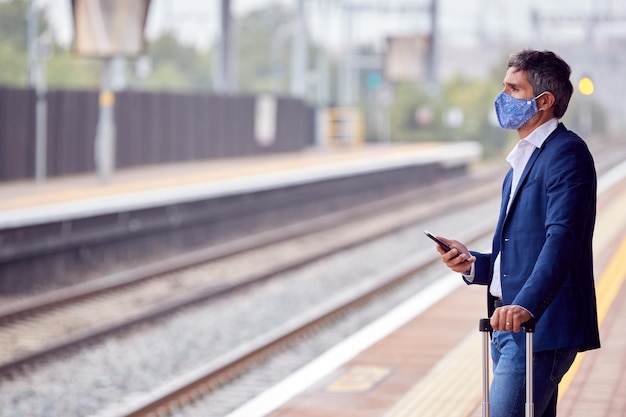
(546, 71)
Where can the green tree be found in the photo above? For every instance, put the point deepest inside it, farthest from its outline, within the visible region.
(13, 23)
(12, 64)
(255, 34)
(13, 51)
(68, 71)
(473, 99)
(176, 66)
(167, 76)
(63, 69)
(408, 99)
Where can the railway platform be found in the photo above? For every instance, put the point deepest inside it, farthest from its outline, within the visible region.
(30, 201)
(424, 358)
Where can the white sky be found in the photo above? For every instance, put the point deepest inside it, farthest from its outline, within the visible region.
(197, 21)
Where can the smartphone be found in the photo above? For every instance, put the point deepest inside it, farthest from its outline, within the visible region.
(439, 242)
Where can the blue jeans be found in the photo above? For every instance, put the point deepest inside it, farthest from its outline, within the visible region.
(508, 387)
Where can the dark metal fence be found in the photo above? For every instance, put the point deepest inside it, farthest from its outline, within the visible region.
(152, 128)
(17, 133)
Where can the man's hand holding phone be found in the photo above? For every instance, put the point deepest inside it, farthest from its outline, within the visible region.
(453, 253)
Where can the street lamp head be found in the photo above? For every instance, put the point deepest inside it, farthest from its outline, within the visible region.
(585, 86)
(108, 28)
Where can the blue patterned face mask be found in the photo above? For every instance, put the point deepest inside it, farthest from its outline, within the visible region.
(514, 112)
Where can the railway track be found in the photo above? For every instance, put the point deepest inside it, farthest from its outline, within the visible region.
(37, 327)
(206, 379)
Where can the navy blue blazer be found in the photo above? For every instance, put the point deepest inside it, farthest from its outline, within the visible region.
(545, 241)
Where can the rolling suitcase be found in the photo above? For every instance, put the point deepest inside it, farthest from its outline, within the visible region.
(529, 328)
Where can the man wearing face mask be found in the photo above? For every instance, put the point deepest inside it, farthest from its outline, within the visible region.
(540, 265)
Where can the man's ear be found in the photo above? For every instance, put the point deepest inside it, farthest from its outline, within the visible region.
(546, 101)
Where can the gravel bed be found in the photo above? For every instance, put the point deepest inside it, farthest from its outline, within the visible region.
(226, 399)
(93, 378)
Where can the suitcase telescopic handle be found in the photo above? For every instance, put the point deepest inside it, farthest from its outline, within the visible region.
(484, 326)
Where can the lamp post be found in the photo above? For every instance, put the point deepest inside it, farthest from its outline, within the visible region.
(224, 69)
(39, 47)
(586, 88)
(41, 52)
(106, 29)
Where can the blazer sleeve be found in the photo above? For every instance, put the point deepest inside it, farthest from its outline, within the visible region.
(482, 269)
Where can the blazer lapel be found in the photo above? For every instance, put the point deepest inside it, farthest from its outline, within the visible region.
(524, 175)
(529, 166)
(506, 192)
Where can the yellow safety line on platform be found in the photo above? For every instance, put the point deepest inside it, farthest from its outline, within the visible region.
(607, 289)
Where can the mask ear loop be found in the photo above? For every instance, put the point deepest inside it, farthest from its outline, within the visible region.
(538, 97)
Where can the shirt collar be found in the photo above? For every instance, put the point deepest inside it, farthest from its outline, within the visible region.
(537, 137)
(540, 134)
